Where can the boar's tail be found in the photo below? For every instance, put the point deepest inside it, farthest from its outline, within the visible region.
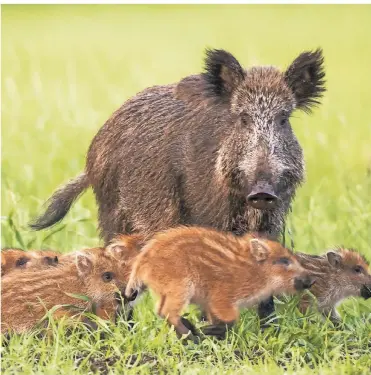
(60, 202)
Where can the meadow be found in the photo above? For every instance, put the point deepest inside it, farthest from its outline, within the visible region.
(66, 68)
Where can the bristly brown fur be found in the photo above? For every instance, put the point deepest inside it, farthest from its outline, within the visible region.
(218, 271)
(26, 296)
(222, 73)
(305, 77)
(16, 260)
(191, 152)
(335, 281)
(351, 253)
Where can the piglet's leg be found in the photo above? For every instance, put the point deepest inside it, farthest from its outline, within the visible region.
(203, 316)
(223, 314)
(91, 325)
(333, 315)
(217, 330)
(266, 309)
(170, 308)
(189, 326)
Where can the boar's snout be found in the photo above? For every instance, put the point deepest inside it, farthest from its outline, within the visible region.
(262, 196)
(366, 291)
(301, 283)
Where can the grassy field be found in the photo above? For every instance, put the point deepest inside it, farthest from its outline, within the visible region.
(65, 69)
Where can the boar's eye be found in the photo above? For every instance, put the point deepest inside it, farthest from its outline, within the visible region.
(358, 269)
(283, 261)
(21, 261)
(283, 119)
(107, 276)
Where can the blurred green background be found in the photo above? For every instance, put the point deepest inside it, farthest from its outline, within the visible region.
(66, 68)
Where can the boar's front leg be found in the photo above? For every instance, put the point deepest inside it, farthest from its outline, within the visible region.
(266, 309)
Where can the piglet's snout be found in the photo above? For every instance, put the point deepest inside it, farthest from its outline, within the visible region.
(132, 296)
(366, 291)
(262, 196)
(301, 283)
(120, 296)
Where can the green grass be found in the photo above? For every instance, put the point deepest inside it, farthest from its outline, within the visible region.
(65, 69)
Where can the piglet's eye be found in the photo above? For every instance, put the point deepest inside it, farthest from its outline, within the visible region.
(107, 276)
(358, 269)
(21, 262)
(283, 261)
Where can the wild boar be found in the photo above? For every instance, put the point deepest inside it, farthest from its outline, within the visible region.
(13, 259)
(340, 273)
(26, 296)
(215, 149)
(218, 271)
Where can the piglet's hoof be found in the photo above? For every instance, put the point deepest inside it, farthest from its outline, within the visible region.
(337, 323)
(218, 331)
(194, 335)
(189, 326)
(191, 337)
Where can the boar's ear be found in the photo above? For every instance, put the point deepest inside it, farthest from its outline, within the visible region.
(84, 265)
(305, 77)
(334, 259)
(259, 250)
(223, 73)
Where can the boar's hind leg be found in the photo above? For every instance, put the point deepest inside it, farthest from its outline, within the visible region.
(265, 310)
(112, 222)
(153, 206)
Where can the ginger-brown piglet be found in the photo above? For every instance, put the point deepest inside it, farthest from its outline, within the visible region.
(13, 259)
(218, 271)
(95, 274)
(340, 273)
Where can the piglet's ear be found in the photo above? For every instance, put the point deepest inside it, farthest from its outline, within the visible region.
(84, 265)
(259, 250)
(119, 252)
(334, 259)
(223, 73)
(305, 77)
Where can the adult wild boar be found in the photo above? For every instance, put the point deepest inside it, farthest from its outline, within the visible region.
(215, 149)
